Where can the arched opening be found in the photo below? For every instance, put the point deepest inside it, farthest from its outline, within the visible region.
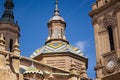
(11, 45)
(50, 32)
(111, 39)
(61, 33)
(4, 39)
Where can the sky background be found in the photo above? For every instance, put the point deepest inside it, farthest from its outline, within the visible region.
(33, 15)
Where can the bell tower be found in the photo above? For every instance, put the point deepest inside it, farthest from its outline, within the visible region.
(8, 27)
(106, 23)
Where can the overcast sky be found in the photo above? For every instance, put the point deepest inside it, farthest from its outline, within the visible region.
(33, 15)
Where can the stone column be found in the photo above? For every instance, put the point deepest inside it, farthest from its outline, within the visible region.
(118, 29)
(98, 41)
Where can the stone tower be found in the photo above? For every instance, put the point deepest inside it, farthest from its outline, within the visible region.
(106, 23)
(9, 45)
(8, 27)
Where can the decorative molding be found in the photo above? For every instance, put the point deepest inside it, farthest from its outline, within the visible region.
(95, 21)
(117, 10)
(108, 20)
(110, 63)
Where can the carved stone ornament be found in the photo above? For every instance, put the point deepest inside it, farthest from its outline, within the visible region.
(108, 21)
(117, 10)
(95, 21)
(118, 65)
(110, 64)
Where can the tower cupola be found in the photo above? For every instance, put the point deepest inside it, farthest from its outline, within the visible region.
(8, 12)
(56, 26)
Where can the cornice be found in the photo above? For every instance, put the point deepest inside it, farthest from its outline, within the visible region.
(76, 56)
(23, 59)
(96, 11)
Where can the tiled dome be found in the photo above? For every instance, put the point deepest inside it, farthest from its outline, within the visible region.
(32, 70)
(56, 47)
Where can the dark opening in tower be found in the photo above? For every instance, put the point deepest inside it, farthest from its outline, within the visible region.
(11, 45)
(111, 39)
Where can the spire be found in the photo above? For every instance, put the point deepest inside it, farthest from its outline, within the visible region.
(56, 15)
(9, 4)
(16, 45)
(16, 50)
(56, 12)
(2, 41)
(8, 12)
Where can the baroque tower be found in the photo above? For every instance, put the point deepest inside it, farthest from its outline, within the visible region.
(106, 23)
(8, 27)
(58, 53)
(9, 45)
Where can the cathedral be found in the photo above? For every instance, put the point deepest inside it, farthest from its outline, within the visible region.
(58, 59)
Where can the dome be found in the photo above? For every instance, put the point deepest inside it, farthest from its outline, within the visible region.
(32, 70)
(57, 47)
(56, 14)
(57, 17)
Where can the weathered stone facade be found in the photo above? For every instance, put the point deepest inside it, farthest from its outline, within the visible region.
(106, 22)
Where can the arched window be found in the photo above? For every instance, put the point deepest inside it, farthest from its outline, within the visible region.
(11, 45)
(111, 39)
(61, 33)
(50, 32)
(4, 39)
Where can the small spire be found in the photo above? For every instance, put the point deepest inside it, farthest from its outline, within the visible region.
(16, 45)
(56, 9)
(2, 41)
(32, 65)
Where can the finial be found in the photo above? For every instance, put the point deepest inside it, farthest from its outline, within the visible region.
(2, 39)
(56, 8)
(9, 4)
(16, 45)
(32, 65)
